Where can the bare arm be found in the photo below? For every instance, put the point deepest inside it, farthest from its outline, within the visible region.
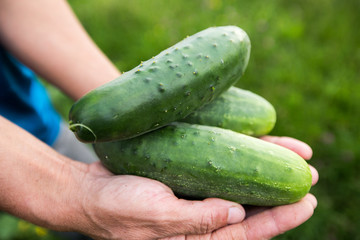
(47, 37)
(35, 181)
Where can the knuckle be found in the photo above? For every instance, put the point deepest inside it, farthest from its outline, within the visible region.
(209, 221)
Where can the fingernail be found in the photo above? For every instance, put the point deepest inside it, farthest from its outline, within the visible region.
(235, 215)
(311, 198)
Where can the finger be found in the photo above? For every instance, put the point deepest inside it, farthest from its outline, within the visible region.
(279, 219)
(200, 217)
(270, 223)
(314, 174)
(293, 144)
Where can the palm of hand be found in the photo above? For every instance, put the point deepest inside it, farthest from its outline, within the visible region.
(129, 206)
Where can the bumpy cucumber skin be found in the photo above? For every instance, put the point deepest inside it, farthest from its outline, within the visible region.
(238, 110)
(163, 89)
(198, 161)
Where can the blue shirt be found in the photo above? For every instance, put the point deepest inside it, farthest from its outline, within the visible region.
(24, 100)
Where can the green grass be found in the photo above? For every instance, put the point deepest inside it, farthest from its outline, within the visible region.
(305, 60)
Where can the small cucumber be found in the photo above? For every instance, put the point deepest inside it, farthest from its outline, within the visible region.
(163, 89)
(238, 110)
(199, 161)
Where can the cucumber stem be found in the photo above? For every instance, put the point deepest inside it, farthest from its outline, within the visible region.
(73, 126)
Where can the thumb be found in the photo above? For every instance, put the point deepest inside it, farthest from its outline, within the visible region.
(199, 217)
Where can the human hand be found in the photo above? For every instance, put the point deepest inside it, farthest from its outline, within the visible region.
(131, 207)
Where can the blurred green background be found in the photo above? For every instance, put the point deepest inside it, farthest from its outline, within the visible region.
(305, 60)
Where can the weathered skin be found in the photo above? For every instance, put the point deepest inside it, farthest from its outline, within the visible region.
(238, 110)
(198, 162)
(165, 88)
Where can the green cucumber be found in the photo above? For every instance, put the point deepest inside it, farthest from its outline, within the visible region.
(163, 89)
(238, 110)
(198, 162)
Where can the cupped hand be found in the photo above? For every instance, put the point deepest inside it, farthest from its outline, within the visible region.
(131, 207)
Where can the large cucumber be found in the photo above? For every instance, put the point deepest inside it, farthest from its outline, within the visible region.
(200, 161)
(238, 110)
(163, 89)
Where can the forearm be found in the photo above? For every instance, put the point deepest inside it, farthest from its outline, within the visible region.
(36, 182)
(47, 37)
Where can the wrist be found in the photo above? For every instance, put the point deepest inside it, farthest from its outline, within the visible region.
(42, 186)
(36, 183)
(85, 208)
(66, 211)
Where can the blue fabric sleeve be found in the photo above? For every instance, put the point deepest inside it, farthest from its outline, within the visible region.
(24, 100)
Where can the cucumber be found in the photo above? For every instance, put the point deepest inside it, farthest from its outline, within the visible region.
(238, 110)
(163, 89)
(198, 162)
